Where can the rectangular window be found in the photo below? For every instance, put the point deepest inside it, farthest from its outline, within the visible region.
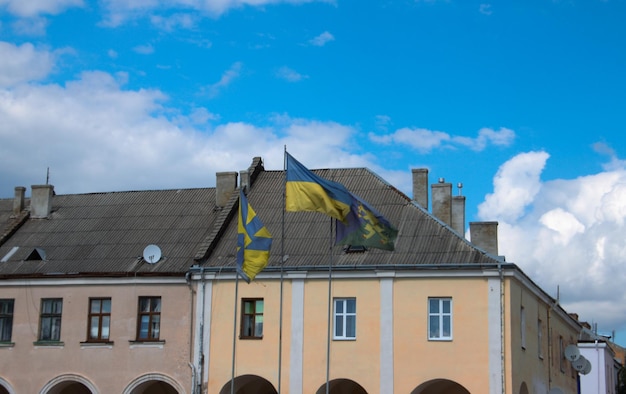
(6, 320)
(99, 319)
(345, 318)
(540, 338)
(50, 319)
(440, 319)
(252, 318)
(522, 327)
(562, 358)
(149, 319)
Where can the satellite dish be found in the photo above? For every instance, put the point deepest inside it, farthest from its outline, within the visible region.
(555, 390)
(579, 363)
(587, 368)
(572, 353)
(152, 254)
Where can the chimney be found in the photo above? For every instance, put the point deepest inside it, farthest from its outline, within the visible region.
(485, 236)
(420, 186)
(18, 202)
(225, 184)
(41, 201)
(244, 180)
(458, 215)
(442, 200)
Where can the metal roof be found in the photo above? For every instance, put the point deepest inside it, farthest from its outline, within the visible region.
(105, 233)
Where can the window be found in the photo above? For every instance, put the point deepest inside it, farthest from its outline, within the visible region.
(522, 315)
(345, 318)
(252, 318)
(6, 320)
(99, 319)
(562, 359)
(440, 318)
(50, 319)
(149, 319)
(540, 338)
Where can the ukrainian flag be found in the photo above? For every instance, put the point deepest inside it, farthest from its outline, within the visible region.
(305, 191)
(253, 241)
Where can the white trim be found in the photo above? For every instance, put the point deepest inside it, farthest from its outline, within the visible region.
(493, 328)
(386, 335)
(297, 336)
(7, 386)
(69, 378)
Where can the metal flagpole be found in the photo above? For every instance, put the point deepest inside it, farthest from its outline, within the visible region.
(282, 263)
(328, 328)
(232, 376)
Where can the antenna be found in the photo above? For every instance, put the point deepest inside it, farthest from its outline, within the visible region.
(47, 175)
(152, 254)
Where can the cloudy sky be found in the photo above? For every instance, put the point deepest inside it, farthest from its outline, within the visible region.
(521, 101)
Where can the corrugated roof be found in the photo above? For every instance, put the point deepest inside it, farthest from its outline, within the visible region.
(105, 233)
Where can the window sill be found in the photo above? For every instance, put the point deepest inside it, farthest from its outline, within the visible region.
(253, 338)
(143, 344)
(7, 344)
(49, 344)
(344, 339)
(439, 339)
(93, 344)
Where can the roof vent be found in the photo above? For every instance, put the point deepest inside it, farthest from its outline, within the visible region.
(37, 254)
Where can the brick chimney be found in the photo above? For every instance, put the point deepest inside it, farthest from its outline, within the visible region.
(18, 202)
(244, 180)
(485, 236)
(226, 183)
(41, 201)
(458, 214)
(442, 201)
(420, 186)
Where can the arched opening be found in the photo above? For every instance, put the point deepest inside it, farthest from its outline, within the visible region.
(153, 383)
(523, 388)
(5, 387)
(342, 386)
(249, 384)
(69, 384)
(437, 386)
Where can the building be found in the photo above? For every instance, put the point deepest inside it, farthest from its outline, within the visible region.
(438, 314)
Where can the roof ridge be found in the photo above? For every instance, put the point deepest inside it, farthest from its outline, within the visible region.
(14, 225)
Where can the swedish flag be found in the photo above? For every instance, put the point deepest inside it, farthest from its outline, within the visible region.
(253, 241)
(305, 191)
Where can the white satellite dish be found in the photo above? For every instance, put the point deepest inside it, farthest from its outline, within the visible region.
(587, 368)
(579, 363)
(572, 353)
(152, 254)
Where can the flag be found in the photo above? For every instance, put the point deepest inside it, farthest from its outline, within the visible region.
(305, 191)
(253, 241)
(365, 227)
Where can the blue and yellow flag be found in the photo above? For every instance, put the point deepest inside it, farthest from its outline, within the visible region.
(364, 226)
(305, 191)
(253, 241)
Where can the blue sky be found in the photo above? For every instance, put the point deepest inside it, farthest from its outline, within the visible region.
(521, 101)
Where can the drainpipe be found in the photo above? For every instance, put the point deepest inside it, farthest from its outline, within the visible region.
(201, 350)
(502, 360)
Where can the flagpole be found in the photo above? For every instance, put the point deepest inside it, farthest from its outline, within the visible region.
(232, 376)
(328, 328)
(282, 263)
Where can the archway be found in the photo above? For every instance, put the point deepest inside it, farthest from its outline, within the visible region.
(154, 383)
(342, 386)
(5, 387)
(523, 388)
(69, 384)
(249, 384)
(437, 386)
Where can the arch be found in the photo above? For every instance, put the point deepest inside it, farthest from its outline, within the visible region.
(250, 384)
(523, 388)
(154, 383)
(342, 386)
(436, 386)
(5, 387)
(69, 383)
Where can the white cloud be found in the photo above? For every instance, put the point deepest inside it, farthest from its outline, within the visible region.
(289, 74)
(322, 39)
(227, 78)
(146, 49)
(485, 9)
(31, 8)
(175, 21)
(565, 233)
(424, 140)
(23, 63)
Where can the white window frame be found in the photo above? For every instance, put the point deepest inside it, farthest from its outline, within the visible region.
(342, 315)
(441, 316)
